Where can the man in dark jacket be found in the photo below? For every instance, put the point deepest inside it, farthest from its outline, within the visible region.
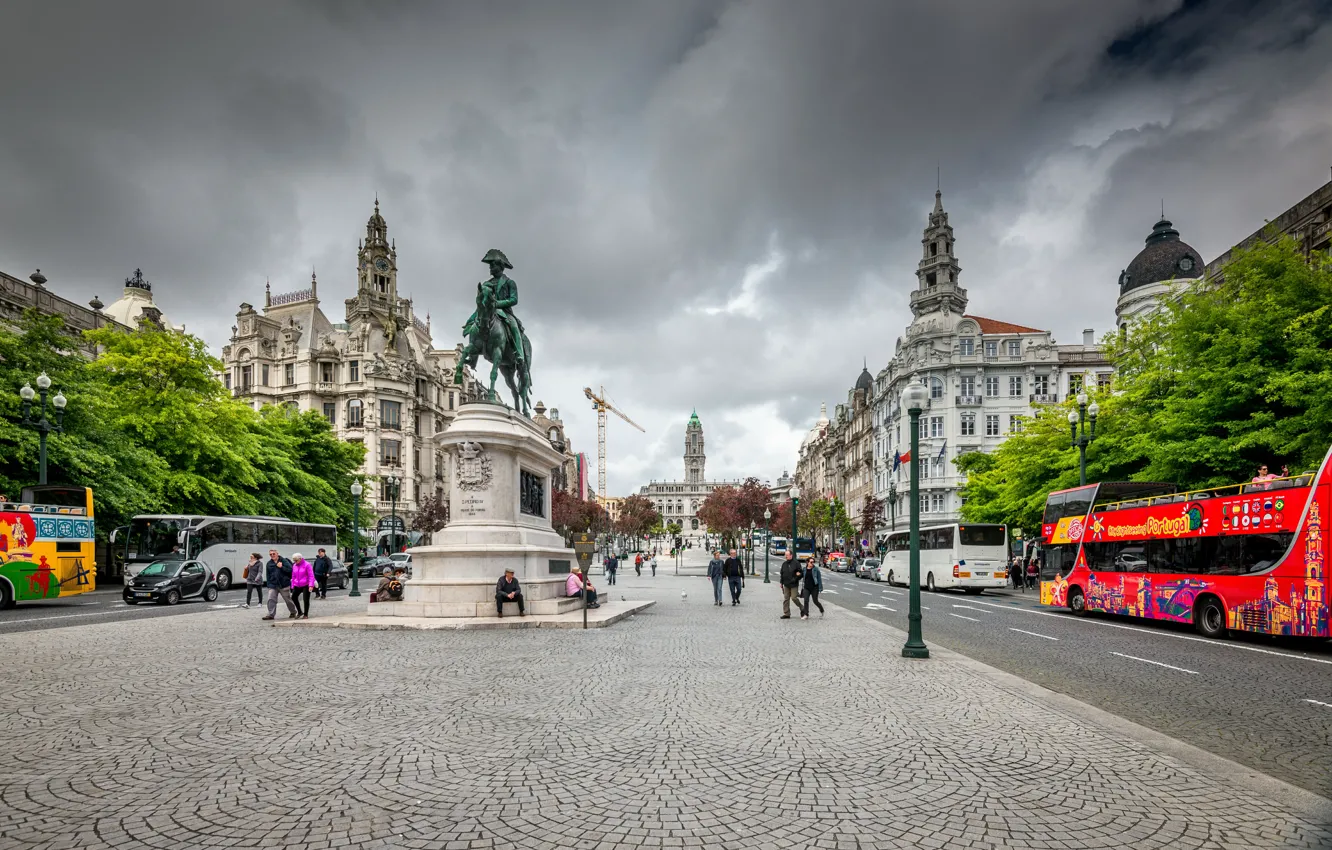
(277, 578)
(611, 565)
(734, 570)
(791, 576)
(507, 590)
(322, 566)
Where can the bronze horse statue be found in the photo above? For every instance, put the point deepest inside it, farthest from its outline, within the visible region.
(495, 333)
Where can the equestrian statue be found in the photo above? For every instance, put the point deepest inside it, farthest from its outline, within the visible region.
(495, 333)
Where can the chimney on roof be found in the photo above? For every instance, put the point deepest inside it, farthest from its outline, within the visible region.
(1088, 338)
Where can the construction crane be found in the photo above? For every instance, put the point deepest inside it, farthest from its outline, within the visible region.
(600, 405)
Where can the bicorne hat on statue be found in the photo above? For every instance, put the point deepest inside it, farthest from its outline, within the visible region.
(495, 255)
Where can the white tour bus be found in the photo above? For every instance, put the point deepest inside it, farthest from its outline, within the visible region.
(972, 556)
(777, 547)
(224, 543)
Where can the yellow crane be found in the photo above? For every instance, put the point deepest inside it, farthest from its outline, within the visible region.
(600, 404)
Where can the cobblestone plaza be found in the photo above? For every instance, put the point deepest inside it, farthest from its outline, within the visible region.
(686, 726)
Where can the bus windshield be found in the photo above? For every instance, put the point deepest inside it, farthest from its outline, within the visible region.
(151, 537)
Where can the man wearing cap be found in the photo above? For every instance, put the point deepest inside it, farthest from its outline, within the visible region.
(507, 590)
(390, 587)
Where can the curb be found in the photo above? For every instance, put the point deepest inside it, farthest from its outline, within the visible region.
(364, 622)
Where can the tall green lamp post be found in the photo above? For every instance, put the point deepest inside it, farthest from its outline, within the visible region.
(752, 526)
(767, 543)
(356, 491)
(1081, 440)
(393, 482)
(42, 425)
(914, 398)
(795, 503)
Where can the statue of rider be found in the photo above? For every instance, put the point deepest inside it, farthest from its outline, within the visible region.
(503, 293)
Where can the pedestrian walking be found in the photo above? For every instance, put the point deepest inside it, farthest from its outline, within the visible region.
(1033, 573)
(790, 577)
(302, 582)
(638, 564)
(277, 579)
(734, 570)
(254, 579)
(322, 567)
(716, 571)
(813, 584)
(1015, 570)
(654, 564)
(612, 566)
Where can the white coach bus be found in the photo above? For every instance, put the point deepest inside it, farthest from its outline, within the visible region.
(972, 556)
(224, 543)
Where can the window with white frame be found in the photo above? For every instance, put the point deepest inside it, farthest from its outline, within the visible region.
(937, 502)
(968, 425)
(1075, 384)
(1014, 386)
(966, 346)
(355, 413)
(936, 426)
(968, 385)
(992, 425)
(1014, 348)
(1014, 423)
(936, 388)
(289, 375)
(1040, 384)
(992, 387)
(924, 503)
(1103, 380)
(992, 348)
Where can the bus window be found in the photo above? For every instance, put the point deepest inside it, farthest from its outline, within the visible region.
(1054, 504)
(1261, 551)
(287, 535)
(215, 532)
(245, 532)
(326, 536)
(982, 535)
(1057, 559)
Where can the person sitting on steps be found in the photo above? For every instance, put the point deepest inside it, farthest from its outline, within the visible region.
(573, 586)
(507, 590)
(390, 587)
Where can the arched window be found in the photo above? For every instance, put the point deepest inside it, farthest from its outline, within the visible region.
(355, 413)
(936, 388)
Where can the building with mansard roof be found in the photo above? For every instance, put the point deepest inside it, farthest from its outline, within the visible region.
(376, 374)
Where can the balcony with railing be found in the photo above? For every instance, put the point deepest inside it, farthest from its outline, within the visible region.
(1044, 398)
(967, 400)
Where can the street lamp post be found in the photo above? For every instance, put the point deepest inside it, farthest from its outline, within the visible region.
(356, 491)
(795, 503)
(393, 513)
(892, 503)
(42, 425)
(913, 399)
(767, 545)
(751, 546)
(1077, 422)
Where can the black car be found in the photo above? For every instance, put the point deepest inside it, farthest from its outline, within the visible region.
(371, 567)
(172, 581)
(337, 575)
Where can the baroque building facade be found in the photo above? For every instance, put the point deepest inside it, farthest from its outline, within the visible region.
(985, 377)
(376, 375)
(567, 476)
(135, 304)
(679, 501)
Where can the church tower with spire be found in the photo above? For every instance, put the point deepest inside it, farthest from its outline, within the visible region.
(694, 456)
(938, 272)
(377, 263)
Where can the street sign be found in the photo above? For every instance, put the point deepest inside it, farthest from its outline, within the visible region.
(584, 545)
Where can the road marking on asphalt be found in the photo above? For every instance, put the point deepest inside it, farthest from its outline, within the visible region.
(874, 606)
(1157, 663)
(890, 592)
(4, 623)
(969, 608)
(866, 592)
(1068, 618)
(1033, 634)
(829, 591)
(1323, 704)
(960, 617)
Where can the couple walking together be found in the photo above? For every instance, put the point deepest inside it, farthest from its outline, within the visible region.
(732, 570)
(801, 584)
(292, 580)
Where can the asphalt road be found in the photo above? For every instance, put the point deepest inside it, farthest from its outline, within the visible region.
(1261, 702)
(105, 605)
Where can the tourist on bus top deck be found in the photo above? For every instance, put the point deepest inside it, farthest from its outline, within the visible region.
(1264, 478)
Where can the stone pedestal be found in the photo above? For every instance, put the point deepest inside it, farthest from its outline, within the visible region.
(500, 502)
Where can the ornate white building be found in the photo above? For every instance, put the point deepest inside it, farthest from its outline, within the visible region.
(679, 501)
(376, 376)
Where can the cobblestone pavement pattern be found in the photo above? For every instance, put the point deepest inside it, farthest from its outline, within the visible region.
(704, 727)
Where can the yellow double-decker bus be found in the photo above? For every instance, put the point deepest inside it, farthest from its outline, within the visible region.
(46, 544)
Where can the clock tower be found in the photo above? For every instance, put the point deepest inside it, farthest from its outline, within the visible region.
(377, 263)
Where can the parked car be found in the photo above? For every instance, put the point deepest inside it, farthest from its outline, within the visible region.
(402, 559)
(375, 566)
(864, 570)
(171, 581)
(874, 567)
(337, 575)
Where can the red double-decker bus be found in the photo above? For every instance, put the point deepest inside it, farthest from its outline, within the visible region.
(1247, 557)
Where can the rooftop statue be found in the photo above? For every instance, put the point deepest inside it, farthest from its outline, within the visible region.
(494, 332)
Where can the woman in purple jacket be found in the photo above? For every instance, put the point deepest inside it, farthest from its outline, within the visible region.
(302, 581)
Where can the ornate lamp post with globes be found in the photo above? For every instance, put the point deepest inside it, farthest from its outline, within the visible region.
(767, 543)
(356, 491)
(795, 503)
(914, 398)
(42, 426)
(1078, 418)
(392, 482)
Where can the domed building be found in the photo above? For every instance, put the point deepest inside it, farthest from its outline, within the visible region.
(1162, 263)
(136, 304)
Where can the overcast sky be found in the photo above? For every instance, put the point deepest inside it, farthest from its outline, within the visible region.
(708, 205)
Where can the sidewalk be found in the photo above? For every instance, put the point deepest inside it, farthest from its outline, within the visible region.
(705, 727)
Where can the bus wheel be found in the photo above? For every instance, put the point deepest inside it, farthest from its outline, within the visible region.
(1077, 603)
(224, 580)
(1209, 618)
(929, 582)
(891, 583)
(6, 596)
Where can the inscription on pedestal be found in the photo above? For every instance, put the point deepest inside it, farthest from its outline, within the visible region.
(559, 567)
(472, 506)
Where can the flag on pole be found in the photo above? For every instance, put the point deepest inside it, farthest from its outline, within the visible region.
(942, 450)
(897, 460)
(906, 458)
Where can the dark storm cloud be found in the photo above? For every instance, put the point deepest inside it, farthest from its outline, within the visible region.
(709, 204)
